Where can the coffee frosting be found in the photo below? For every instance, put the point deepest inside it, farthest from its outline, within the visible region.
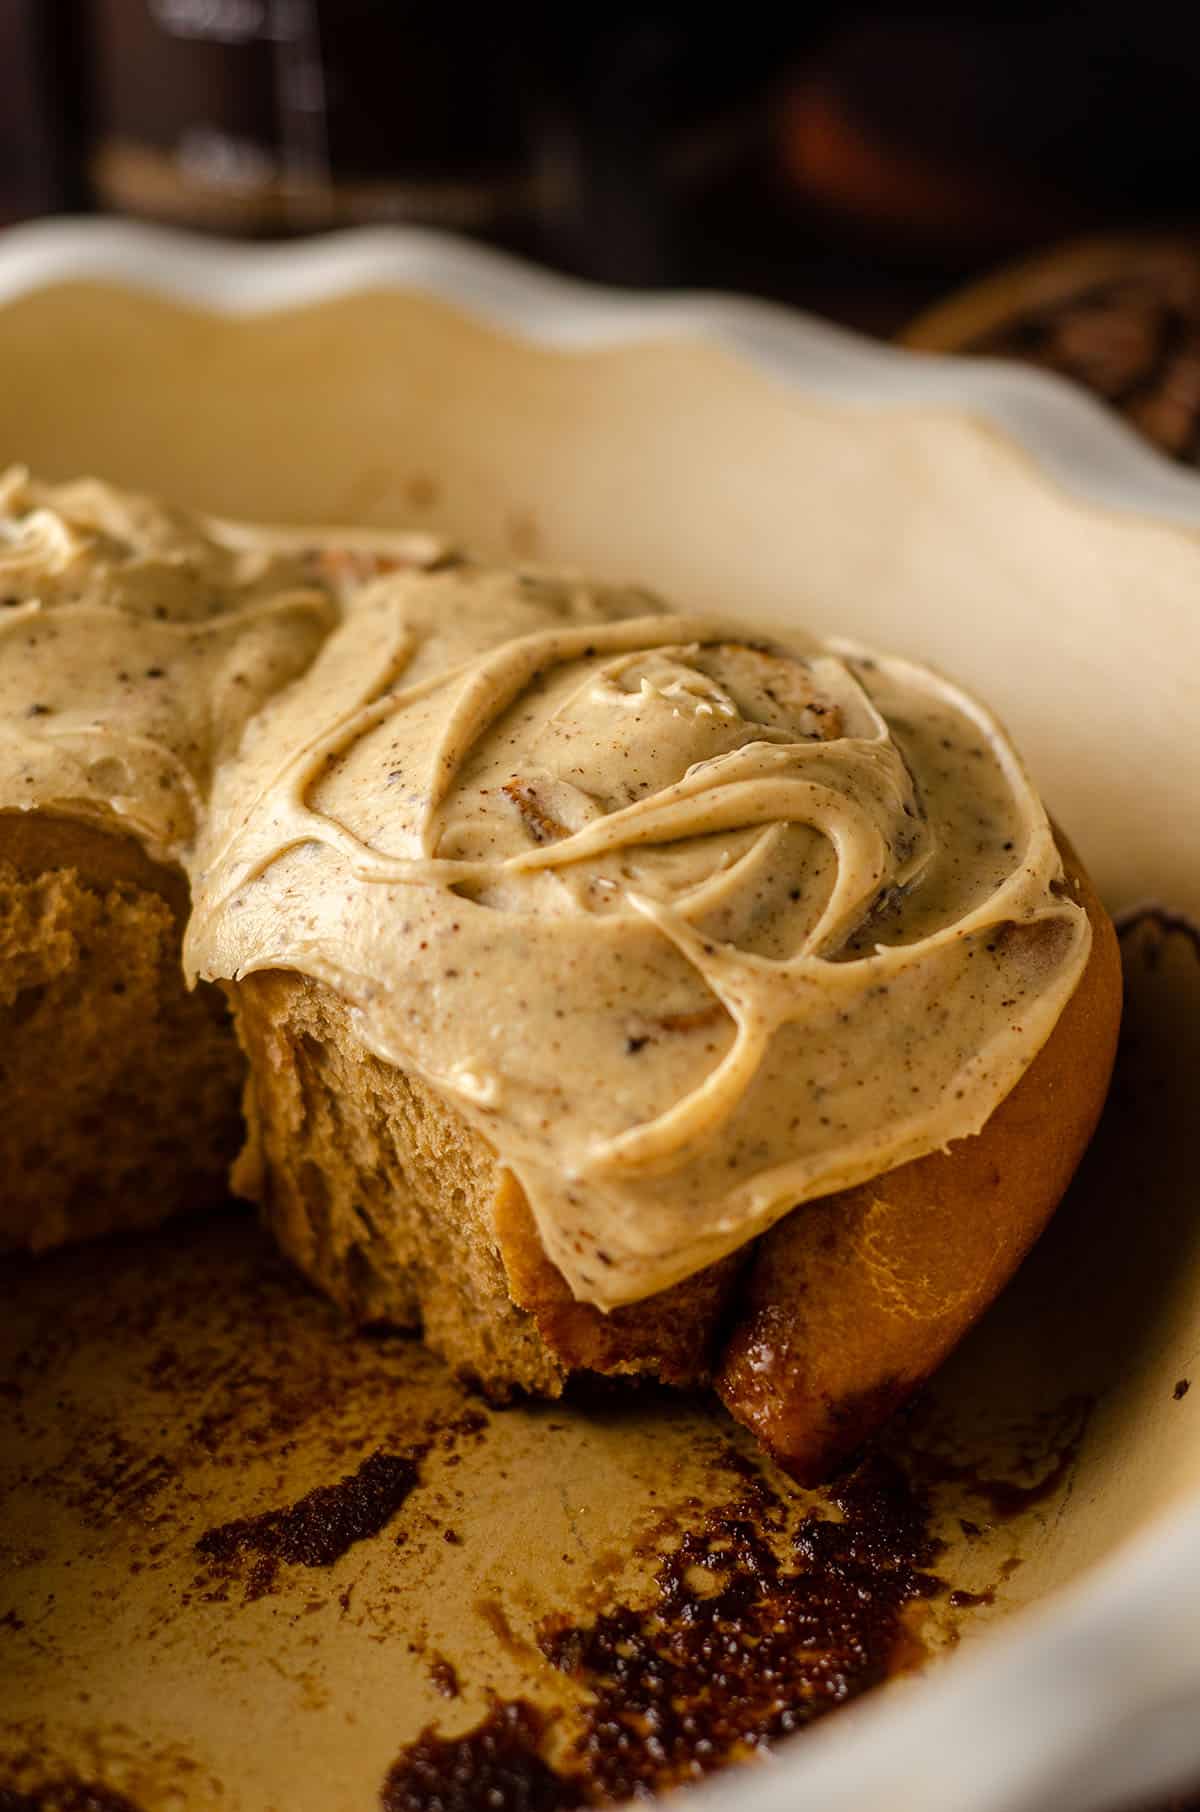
(691, 927)
(136, 642)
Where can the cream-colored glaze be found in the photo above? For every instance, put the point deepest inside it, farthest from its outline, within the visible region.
(691, 929)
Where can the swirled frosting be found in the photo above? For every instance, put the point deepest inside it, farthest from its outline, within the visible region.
(690, 927)
(137, 641)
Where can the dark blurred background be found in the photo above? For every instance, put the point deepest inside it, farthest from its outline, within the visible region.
(861, 160)
(858, 159)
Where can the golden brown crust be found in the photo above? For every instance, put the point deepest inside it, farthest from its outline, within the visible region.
(379, 1190)
(669, 1336)
(853, 1300)
(120, 1088)
(382, 1194)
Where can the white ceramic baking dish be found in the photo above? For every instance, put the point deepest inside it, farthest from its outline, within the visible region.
(741, 456)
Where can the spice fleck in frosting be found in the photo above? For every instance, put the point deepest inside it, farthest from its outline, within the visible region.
(690, 927)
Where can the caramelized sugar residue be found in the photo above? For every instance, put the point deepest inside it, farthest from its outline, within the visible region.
(444, 1675)
(318, 1528)
(757, 1625)
(497, 1765)
(65, 1794)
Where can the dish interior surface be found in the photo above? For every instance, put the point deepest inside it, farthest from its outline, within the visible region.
(167, 1389)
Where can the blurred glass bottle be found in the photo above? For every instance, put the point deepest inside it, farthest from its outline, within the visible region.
(40, 115)
(589, 137)
(285, 116)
